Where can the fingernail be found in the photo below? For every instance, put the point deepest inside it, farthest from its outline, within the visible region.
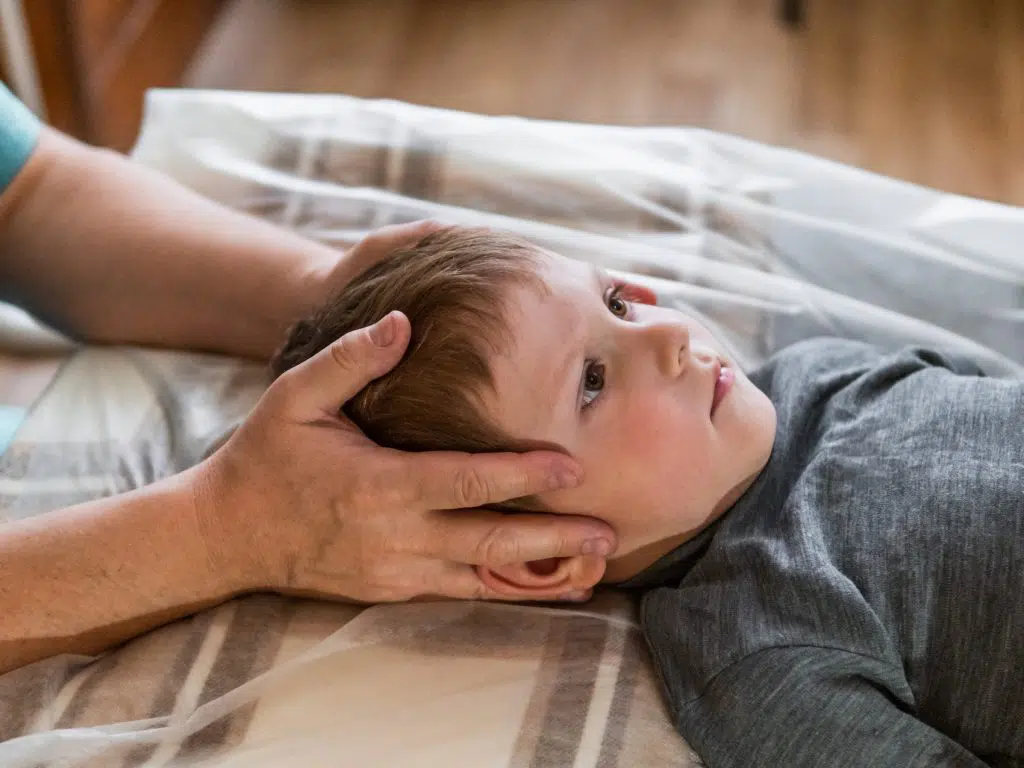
(383, 333)
(573, 597)
(601, 547)
(563, 478)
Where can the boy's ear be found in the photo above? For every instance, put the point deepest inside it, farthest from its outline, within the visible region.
(640, 294)
(543, 579)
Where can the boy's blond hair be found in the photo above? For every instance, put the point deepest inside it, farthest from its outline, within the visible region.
(452, 286)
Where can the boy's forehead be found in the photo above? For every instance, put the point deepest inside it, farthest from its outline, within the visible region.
(555, 315)
(570, 281)
(565, 268)
(538, 374)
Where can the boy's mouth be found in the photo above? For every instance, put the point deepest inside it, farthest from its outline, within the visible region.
(724, 379)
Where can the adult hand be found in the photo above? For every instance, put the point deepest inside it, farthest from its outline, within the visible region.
(300, 501)
(333, 277)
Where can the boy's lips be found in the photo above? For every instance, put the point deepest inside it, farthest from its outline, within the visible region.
(724, 379)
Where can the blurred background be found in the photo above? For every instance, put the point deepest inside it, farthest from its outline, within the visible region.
(927, 90)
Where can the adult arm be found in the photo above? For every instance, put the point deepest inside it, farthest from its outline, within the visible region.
(109, 251)
(298, 501)
(804, 707)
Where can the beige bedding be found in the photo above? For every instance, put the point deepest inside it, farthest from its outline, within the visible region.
(266, 680)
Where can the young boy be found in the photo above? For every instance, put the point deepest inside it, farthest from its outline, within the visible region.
(832, 549)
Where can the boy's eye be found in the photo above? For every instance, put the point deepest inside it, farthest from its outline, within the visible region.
(593, 382)
(616, 304)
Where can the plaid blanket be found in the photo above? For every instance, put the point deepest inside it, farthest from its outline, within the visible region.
(746, 235)
(521, 686)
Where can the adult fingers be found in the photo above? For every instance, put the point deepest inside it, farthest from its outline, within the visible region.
(450, 480)
(493, 539)
(327, 380)
(379, 243)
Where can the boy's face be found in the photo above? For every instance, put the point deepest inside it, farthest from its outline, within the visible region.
(669, 432)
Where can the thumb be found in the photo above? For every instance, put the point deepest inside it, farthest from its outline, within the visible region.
(338, 372)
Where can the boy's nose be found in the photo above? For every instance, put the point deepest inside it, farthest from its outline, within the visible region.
(671, 342)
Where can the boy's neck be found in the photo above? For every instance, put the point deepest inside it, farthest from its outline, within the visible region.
(627, 566)
(623, 568)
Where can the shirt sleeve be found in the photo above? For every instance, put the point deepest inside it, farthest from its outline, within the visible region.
(806, 707)
(19, 130)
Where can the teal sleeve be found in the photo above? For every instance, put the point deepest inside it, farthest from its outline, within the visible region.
(19, 130)
(11, 419)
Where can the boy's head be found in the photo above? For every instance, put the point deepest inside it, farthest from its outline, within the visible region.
(514, 347)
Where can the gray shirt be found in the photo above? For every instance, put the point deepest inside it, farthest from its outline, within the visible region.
(863, 603)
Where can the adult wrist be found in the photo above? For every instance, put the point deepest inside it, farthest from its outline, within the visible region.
(303, 289)
(227, 555)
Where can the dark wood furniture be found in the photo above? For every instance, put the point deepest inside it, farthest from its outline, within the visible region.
(792, 12)
(96, 58)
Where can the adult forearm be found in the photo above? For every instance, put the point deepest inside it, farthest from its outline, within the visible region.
(112, 252)
(82, 579)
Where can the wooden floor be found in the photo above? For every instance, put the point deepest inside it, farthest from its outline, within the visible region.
(927, 90)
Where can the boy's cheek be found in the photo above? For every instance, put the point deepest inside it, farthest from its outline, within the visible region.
(638, 460)
(659, 427)
(666, 449)
(607, 479)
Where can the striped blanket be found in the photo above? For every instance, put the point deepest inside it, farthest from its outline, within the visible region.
(769, 246)
(266, 680)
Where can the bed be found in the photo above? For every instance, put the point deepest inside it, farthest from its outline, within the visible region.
(768, 245)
